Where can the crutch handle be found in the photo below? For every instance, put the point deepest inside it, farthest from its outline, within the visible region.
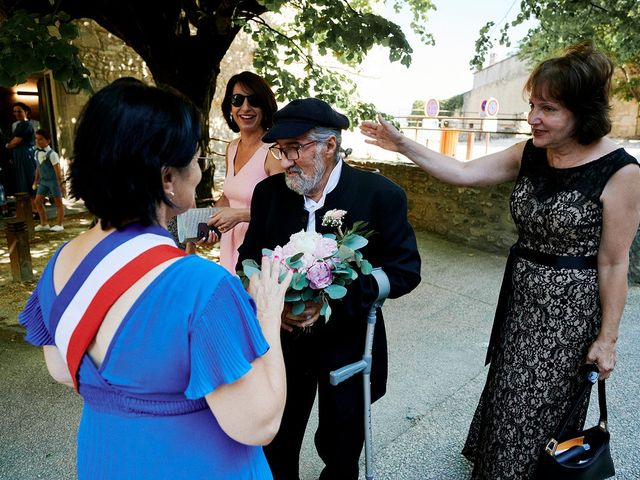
(384, 287)
(348, 371)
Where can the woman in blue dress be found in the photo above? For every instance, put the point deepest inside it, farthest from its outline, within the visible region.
(22, 147)
(181, 371)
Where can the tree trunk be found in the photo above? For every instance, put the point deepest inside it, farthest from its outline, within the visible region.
(182, 42)
(188, 62)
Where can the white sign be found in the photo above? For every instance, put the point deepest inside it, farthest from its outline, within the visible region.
(432, 108)
(491, 107)
(489, 124)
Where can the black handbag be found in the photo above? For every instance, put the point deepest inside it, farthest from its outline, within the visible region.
(584, 454)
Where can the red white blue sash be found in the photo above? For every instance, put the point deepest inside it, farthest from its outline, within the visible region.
(128, 256)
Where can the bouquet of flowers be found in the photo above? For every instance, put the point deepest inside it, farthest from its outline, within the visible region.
(323, 265)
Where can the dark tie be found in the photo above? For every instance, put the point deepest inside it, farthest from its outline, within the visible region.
(40, 150)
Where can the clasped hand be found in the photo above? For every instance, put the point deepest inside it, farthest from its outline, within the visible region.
(308, 317)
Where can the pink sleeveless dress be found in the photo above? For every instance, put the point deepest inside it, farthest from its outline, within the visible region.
(238, 188)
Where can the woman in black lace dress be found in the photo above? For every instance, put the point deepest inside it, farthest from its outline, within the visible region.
(576, 203)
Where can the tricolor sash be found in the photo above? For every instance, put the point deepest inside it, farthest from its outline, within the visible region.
(108, 271)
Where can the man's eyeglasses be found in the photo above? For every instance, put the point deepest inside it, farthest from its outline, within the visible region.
(290, 152)
(237, 99)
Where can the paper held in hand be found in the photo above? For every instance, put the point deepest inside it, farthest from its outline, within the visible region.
(189, 220)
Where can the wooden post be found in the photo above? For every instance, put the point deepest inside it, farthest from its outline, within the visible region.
(24, 212)
(19, 253)
(469, 145)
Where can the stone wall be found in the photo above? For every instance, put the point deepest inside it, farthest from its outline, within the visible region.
(625, 119)
(108, 58)
(477, 217)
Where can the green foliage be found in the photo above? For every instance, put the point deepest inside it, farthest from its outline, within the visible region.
(452, 104)
(292, 53)
(417, 110)
(29, 43)
(612, 25)
(287, 53)
(335, 291)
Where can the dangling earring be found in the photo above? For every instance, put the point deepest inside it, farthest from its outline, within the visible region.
(171, 194)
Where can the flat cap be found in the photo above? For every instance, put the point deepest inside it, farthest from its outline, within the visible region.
(300, 116)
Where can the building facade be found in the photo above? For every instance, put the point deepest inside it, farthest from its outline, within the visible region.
(505, 80)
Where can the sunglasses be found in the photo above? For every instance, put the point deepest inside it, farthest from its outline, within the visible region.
(237, 99)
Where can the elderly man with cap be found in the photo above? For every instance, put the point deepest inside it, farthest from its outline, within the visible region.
(307, 136)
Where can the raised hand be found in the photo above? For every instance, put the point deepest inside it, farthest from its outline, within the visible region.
(268, 293)
(383, 134)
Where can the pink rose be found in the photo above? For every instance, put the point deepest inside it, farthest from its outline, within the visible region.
(319, 275)
(325, 247)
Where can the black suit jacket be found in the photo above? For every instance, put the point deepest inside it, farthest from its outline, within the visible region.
(277, 212)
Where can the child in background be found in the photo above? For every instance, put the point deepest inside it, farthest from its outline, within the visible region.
(49, 181)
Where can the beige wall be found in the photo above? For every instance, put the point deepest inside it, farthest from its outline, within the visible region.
(504, 80)
(625, 118)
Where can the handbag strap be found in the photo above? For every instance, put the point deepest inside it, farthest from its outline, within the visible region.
(602, 402)
(590, 376)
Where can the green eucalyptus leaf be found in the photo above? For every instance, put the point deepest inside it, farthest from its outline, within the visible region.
(355, 242)
(249, 267)
(345, 253)
(292, 296)
(297, 308)
(294, 265)
(365, 267)
(325, 310)
(335, 291)
(299, 281)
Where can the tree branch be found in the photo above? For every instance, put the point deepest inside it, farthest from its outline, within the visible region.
(259, 20)
(349, 7)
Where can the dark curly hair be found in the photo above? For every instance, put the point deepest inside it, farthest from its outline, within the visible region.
(265, 97)
(580, 79)
(125, 135)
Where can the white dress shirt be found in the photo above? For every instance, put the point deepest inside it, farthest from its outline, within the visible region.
(312, 206)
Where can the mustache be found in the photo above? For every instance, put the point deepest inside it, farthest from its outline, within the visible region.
(294, 169)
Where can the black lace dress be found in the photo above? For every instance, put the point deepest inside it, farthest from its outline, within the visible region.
(552, 315)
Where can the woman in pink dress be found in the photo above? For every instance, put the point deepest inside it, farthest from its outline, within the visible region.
(248, 108)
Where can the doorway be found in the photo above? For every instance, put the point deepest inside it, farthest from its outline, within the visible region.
(37, 94)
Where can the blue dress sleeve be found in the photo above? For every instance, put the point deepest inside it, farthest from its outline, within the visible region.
(24, 130)
(224, 339)
(31, 318)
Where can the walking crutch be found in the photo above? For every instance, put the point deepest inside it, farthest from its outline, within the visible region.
(364, 366)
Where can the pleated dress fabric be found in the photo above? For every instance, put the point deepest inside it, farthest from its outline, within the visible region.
(192, 330)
